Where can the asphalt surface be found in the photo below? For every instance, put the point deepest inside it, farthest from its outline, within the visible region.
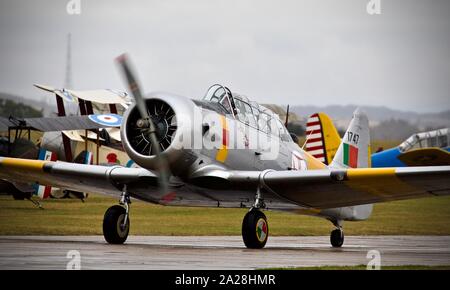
(162, 252)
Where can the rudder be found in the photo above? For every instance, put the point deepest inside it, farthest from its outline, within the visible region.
(323, 139)
(354, 151)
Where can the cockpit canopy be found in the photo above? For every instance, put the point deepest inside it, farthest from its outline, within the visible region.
(438, 138)
(246, 111)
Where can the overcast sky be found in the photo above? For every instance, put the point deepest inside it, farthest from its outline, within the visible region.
(299, 52)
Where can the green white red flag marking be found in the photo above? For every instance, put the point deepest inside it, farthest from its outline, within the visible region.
(261, 230)
(350, 155)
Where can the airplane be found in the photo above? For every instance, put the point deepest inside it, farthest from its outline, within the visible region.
(41, 138)
(227, 151)
(93, 137)
(421, 149)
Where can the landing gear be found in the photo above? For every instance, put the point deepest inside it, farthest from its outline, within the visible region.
(337, 238)
(116, 222)
(255, 229)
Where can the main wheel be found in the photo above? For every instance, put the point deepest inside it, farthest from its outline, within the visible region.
(337, 238)
(255, 229)
(113, 230)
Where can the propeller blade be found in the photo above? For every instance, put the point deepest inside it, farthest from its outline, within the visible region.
(143, 110)
(133, 85)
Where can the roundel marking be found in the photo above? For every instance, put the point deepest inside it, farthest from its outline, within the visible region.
(67, 96)
(112, 120)
(261, 230)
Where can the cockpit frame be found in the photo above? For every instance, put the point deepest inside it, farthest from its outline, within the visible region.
(246, 111)
(437, 138)
(225, 100)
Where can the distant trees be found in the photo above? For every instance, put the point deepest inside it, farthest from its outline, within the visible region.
(18, 110)
(393, 129)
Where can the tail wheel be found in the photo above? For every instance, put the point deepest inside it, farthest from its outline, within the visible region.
(337, 238)
(114, 229)
(255, 229)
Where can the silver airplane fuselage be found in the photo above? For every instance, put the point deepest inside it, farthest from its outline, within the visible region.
(238, 145)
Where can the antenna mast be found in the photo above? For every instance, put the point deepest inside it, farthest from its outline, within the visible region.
(68, 80)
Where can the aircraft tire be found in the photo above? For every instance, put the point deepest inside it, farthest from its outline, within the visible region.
(255, 229)
(337, 238)
(112, 221)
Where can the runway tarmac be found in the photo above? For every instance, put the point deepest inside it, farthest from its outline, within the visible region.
(194, 253)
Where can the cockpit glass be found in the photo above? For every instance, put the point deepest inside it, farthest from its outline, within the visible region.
(432, 142)
(247, 111)
(219, 94)
(411, 142)
(443, 141)
(264, 123)
(284, 134)
(438, 138)
(225, 102)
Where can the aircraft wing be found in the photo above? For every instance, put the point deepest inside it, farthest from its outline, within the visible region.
(102, 96)
(320, 189)
(77, 177)
(331, 188)
(425, 157)
(49, 124)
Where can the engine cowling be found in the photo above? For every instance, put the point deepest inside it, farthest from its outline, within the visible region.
(171, 116)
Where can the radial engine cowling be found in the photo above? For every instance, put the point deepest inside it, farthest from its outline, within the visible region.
(172, 116)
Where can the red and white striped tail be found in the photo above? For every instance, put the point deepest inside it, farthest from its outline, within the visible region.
(314, 138)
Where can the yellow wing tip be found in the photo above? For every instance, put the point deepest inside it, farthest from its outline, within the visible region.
(353, 173)
(22, 164)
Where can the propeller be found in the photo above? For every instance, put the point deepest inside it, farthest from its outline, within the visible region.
(145, 123)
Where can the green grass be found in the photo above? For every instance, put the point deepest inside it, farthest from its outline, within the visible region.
(364, 267)
(427, 216)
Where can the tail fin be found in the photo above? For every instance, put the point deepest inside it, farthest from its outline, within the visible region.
(85, 157)
(41, 190)
(322, 138)
(354, 150)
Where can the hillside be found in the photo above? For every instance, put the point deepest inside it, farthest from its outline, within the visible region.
(281, 111)
(18, 110)
(32, 106)
(342, 115)
(385, 123)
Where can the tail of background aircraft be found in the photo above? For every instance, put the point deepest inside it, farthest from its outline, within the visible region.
(85, 157)
(41, 190)
(322, 138)
(354, 151)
